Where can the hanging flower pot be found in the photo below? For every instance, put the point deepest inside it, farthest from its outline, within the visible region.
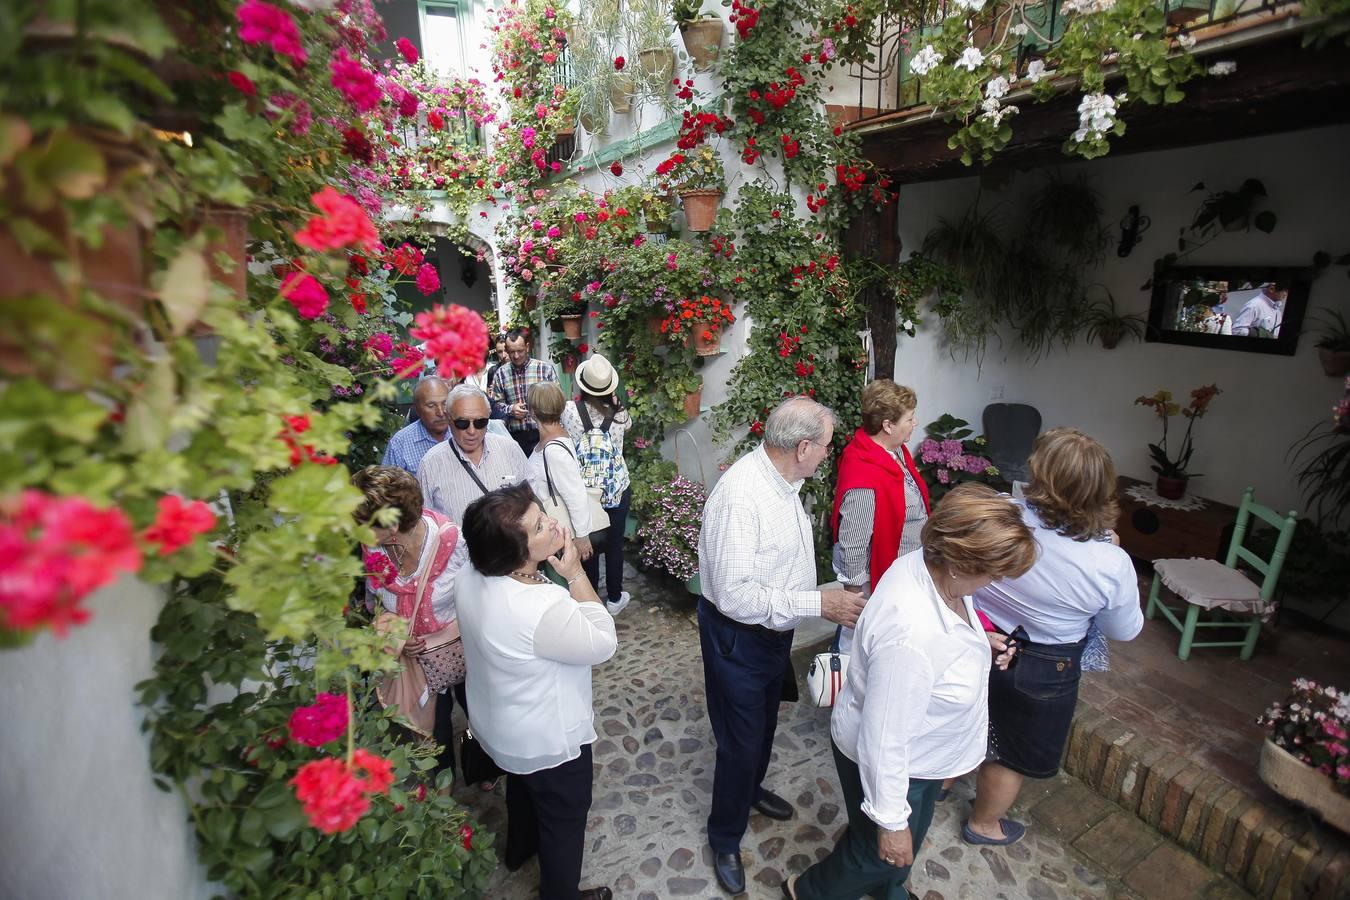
(657, 64)
(1295, 780)
(591, 121)
(656, 214)
(531, 302)
(571, 327)
(692, 401)
(1334, 362)
(707, 342)
(621, 93)
(702, 41)
(700, 208)
(1171, 488)
(694, 586)
(654, 325)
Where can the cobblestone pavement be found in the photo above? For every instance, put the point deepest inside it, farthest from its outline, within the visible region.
(653, 782)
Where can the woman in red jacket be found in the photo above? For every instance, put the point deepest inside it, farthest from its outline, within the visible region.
(880, 501)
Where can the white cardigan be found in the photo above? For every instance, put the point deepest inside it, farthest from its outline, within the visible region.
(529, 649)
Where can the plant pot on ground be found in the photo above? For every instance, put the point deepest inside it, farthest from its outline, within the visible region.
(1301, 783)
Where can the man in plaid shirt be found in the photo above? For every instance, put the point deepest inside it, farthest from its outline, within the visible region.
(511, 382)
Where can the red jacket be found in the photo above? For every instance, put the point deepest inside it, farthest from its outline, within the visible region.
(866, 464)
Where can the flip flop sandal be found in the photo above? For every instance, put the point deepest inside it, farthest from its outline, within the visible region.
(1012, 833)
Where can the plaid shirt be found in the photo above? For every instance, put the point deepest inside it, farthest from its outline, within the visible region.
(510, 385)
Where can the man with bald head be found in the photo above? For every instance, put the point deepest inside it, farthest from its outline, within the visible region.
(757, 567)
(411, 442)
(473, 462)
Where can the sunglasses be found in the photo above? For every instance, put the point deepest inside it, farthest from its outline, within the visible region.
(463, 424)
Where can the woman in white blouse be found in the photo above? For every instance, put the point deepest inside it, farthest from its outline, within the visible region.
(913, 710)
(552, 468)
(419, 532)
(529, 646)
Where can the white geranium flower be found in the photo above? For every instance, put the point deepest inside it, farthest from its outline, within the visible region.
(1223, 67)
(996, 89)
(925, 60)
(970, 5)
(992, 111)
(1186, 40)
(1019, 29)
(1035, 70)
(971, 59)
(1096, 116)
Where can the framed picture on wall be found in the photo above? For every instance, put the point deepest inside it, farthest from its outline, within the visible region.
(1258, 309)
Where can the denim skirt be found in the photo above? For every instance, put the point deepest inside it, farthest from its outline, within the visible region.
(1031, 706)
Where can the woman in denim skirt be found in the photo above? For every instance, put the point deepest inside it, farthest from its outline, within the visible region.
(1081, 576)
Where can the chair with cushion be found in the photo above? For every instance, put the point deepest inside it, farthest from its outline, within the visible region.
(1219, 588)
(1011, 429)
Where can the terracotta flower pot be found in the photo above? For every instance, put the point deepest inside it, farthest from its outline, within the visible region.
(692, 401)
(700, 208)
(530, 303)
(232, 224)
(1295, 780)
(1334, 362)
(657, 64)
(592, 123)
(702, 41)
(707, 346)
(654, 325)
(571, 327)
(1171, 488)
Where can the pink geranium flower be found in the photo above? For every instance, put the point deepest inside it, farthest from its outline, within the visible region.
(263, 23)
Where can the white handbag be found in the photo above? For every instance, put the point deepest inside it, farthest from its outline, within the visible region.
(825, 679)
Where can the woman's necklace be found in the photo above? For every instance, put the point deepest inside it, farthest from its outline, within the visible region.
(532, 576)
(405, 556)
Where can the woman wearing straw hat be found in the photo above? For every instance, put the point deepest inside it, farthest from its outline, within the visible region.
(596, 422)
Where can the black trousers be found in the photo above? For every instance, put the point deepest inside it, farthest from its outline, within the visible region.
(527, 440)
(546, 815)
(612, 547)
(743, 670)
(443, 732)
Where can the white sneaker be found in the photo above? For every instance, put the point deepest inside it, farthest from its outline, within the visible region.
(619, 605)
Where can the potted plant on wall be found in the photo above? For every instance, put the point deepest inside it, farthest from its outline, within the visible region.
(649, 30)
(949, 455)
(700, 322)
(1306, 757)
(1108, 325)
(1333, 344)
(1172, 474)
(699, 181)
(702, 35)
(669, 533)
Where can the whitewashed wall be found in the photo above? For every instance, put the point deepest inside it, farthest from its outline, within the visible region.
(1268, 402)
(79, 816)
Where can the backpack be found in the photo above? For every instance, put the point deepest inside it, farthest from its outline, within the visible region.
(602, 466)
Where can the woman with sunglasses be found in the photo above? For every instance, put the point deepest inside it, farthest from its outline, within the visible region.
(913, 710)
(1080, 576)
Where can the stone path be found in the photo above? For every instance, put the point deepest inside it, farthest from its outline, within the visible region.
(653, 782)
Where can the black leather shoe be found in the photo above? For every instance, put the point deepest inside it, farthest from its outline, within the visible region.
(730, 873)
(600, 893)
(773, 806)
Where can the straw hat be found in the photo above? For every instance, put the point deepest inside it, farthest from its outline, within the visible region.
(597, 377)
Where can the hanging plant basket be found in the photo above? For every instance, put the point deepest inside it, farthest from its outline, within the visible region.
(703, 41)
(700, 208)
(1170, 488)
(656, 215)
(621, 93)
(692, 401)
(657, 64)
(531, 303)
(707, 346)
(571, 327)
(593, 123)
(1334, 362)
(1295, 780)
(694, 586)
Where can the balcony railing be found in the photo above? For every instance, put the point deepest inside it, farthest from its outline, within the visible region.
(885, 85)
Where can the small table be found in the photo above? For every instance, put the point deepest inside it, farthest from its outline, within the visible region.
(1150, 532)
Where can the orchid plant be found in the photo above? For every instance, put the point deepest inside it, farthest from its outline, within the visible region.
(1165, 407)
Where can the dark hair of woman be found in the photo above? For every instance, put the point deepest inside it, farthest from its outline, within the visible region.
(497, 543)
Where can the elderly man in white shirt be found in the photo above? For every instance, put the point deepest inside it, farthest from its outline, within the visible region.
(1262, 315)
(758, 572)
(473, 462)
(914, 710)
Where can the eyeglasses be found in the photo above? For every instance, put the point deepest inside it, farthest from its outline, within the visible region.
(825, 447)
(463, 424)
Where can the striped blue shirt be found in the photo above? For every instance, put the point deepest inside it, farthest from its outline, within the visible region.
(407, 447)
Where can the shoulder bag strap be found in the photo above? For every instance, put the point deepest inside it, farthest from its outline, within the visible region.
(584, 414)
(468, 468)
(422, 570)
(552, 493)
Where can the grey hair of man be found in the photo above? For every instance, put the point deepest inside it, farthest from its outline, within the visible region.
(431, 381)
(795, 420)
(464, 391)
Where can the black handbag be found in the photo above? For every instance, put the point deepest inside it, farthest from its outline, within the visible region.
(478, 766)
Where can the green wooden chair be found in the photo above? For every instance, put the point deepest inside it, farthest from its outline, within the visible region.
(1219, 588)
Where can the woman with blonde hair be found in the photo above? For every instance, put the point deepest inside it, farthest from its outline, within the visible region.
(914, 708)
(557, 474)
(1080, 577)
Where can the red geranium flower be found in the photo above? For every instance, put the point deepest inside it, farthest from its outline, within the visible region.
(456, 338)
(342, 223)
(263, 23)
(323, 721)
(408, 50)
(428, 280)
(616, 168)
(178, 523)
(242, 83)
(304, 292)
(618, 63)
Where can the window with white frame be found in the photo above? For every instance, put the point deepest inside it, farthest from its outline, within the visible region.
(442, 38)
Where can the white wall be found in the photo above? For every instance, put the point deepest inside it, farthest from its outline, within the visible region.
(1268, 402)
(80, 817)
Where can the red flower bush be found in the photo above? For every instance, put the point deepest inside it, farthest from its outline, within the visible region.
(54, 551)
(706, 317)
(333, 796)
(178, 523)
(408, 50)
(323, 721)
(406, 259)
(341, 223)
(304, 292)
(356, 83)
(407, 360)
(297, 425)
(428, 281)
(456, 338)
(263, 23)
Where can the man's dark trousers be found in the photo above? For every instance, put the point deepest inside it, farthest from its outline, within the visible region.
(743, 669)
